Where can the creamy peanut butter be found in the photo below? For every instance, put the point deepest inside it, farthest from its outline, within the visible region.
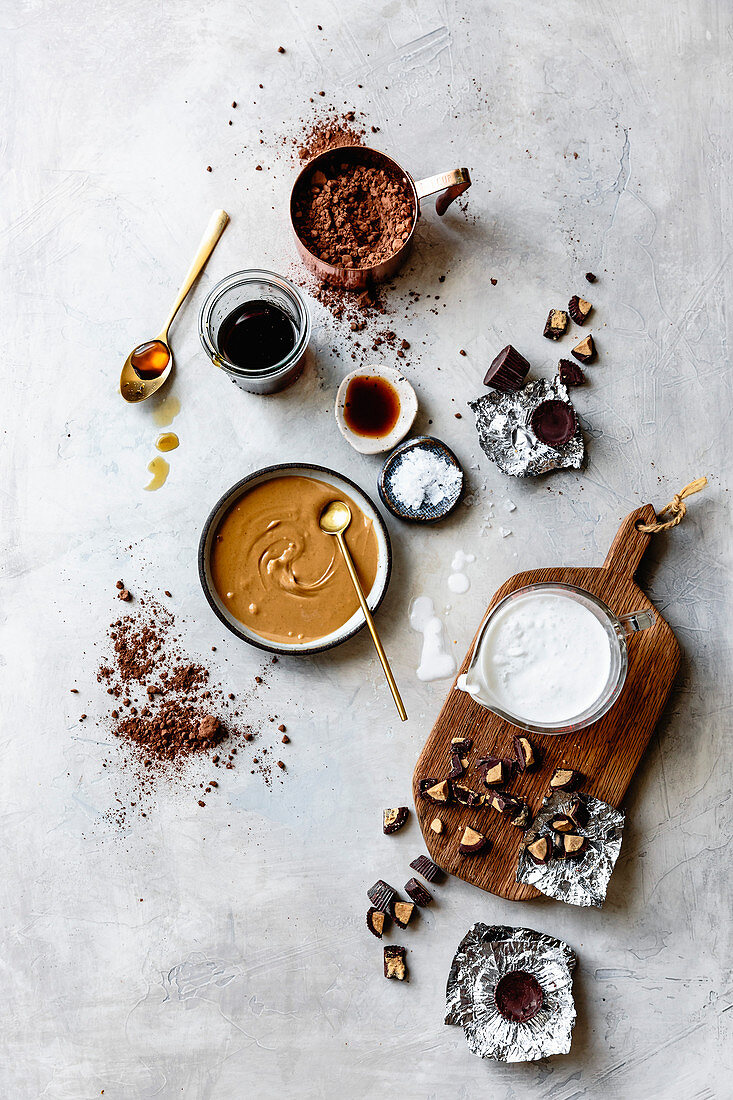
(278, 573)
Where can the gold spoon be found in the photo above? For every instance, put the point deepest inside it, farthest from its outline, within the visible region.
(334, 520)
(154, 358)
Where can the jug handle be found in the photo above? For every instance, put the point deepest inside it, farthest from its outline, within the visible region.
(637, 620)
(450, 184)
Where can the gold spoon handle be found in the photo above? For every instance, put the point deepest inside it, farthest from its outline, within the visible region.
(214, 230)
(372, 628)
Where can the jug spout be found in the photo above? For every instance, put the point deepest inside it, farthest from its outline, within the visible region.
(466, 682)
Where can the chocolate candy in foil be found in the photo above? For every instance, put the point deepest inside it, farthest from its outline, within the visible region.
(583, 881)
(485, 957)
(503, 423)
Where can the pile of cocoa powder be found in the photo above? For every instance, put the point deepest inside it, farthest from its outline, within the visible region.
(354, 214)
(166, 710)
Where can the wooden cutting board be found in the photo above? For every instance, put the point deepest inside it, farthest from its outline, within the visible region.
(607, 752)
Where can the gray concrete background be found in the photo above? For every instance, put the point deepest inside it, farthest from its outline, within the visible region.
(598, 137)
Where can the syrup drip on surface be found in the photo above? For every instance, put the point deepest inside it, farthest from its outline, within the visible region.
(167, 441)
(159, 468)
(167, 411)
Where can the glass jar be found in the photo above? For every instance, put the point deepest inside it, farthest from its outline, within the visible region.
(256, 286)
(616, 627)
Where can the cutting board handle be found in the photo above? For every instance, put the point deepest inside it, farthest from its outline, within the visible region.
(627, 549)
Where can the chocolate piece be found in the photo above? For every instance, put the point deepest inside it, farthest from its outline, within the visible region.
(467, 797)
(439, 792)
(518, 996)
(579, 309)
(565, 779)
(394, 819)
(496, 772)
(461, 745)
(472, 842)
(375, 921)
(516, 809)
(562, 823)
(570, 845)
(554, 422)
(540, 850)
(569, 373)
(526, 754)
(437, 825)
(394, 962)
(458, 768)
(590, 276)
(556, 324)
(382, 896)
(403, 911)
(425, 867)
(508, 371)
(585, 351)
(579, 812)
(417, 892)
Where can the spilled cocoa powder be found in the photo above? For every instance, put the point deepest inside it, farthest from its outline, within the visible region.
(166, 710)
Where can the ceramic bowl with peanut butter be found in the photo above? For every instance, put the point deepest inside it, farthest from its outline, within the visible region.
(273, 577)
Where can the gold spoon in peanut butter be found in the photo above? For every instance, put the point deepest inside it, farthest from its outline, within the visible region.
(148, 365)
(334, 520)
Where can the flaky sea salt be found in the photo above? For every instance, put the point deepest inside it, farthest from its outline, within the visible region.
(424, 478)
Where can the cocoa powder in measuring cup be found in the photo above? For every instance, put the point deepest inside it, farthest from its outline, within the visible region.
(354, 215)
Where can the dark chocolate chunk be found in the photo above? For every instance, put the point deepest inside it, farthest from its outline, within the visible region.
(375, 921)
(461, 745)
(565, 779)
(579, 309)
(403, 911)
(394, 962)
(569, 373)
(418, 892)
(579, 812)
(539, 850)
(508, 371)
(585, 351)
(437, 791)
(526, 754)
(570, 845)
(394, 819)
(467, 797)
(518, 996)
(472, 842)
(556, 324)
(554, 422)
(561, 823)
(425, 867)
(495, 772)
(590, 276)
(516, 809)
(382, 896)
(458, 768)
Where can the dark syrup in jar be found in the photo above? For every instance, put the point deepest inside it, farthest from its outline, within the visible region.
(372, 406)
(256, 335)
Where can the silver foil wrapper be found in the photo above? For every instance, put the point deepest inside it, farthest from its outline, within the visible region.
(485, 954)
(582, 881)
(506, 436)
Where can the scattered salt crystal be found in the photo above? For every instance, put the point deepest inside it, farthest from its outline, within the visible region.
(510, 506)
(504, 531)
(424, 478)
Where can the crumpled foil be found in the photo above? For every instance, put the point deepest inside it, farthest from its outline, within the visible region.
(485, 954)
(582, 881)
(503, 423)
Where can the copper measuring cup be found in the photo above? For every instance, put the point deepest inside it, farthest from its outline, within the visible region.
(447, 185)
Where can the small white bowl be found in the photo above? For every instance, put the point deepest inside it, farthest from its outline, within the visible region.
(373, 445)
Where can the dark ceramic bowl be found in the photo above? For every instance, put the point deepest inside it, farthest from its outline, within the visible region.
(429, 513)
(340, 484)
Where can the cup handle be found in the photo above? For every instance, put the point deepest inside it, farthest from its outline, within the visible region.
(637, 620)
(450, 184)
